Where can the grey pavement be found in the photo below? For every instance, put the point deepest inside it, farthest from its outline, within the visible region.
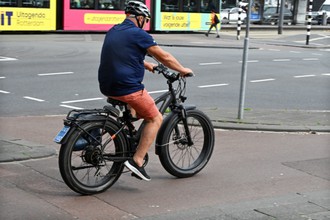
(313, 205)
(15, 149)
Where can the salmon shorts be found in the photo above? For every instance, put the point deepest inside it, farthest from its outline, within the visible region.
(141, 102)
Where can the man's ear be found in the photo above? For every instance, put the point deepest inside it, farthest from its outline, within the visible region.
(140, 18)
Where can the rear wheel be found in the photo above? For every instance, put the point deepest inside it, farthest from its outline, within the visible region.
(176, 155)
(87, 162)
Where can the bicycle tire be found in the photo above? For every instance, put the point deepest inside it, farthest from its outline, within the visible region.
(86, 171)
(175, 155)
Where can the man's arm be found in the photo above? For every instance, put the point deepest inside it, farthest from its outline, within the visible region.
(168, 59)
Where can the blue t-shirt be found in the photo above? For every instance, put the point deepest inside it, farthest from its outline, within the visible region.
(121, 68)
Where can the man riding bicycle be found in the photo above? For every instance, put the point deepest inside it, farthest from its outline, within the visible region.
(121, 73)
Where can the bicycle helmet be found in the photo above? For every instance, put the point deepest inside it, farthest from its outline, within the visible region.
(137, 8)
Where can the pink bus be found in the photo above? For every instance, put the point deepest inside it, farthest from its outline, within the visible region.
(94, 15)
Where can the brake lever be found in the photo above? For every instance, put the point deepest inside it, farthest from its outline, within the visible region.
(160, 68)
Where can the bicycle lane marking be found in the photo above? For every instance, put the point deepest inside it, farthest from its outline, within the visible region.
(213, 85)
(213, 63)
(63, 104)
(4, 92)
(71, 107)
(33, 99)
(304, 76)
(82, 100)
(7, 59)
(158, 91)
(54, 74)
(262, 80)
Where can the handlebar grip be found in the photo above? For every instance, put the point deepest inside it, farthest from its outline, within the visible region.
(189, 74)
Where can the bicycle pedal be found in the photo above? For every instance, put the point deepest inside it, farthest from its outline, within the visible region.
(136, 176)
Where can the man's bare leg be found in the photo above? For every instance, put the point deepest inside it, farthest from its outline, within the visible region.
(147, 137)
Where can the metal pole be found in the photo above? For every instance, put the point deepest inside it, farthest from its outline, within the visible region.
(280, 22)
(244, 65)
(309, 21)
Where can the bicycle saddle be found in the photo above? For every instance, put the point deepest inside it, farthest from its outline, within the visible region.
(115, 102)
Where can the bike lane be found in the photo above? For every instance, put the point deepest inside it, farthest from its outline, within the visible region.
(250, 175)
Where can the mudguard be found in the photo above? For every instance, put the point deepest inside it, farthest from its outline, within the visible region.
(86, 118)
(164, 125)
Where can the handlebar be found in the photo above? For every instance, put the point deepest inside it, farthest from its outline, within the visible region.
(168, 74)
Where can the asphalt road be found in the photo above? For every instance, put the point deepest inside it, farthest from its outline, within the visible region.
(50, 74)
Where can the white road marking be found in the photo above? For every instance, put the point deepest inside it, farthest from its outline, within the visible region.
(281, 60)
(250, 61)
(322, 111)
(214, 85)
(310, 59)
(4, 92)
(2, 77)
(295, 51)
(81, 100)
(7, 59)
(261, 80)
(33, 99)
(53, 74)
(274, 50)
(72, 107)
(326, 74)
(304, 76)
(159, 91)
(315, 39)
(214, 63)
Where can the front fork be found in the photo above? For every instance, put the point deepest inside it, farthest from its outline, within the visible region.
(183, 113)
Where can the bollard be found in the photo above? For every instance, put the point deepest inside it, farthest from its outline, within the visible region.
(309, 21)
(324, 18)
(239, 24)
(239, 21)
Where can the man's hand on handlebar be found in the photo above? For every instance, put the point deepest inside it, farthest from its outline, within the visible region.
(149, 66)
(187, 72)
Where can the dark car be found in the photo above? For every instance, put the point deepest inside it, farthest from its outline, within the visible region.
(272, 14)
(324, 12)
(319, 19)
(324, 15)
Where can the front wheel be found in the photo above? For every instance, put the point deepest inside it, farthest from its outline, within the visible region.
(176, 155)
(87, 161)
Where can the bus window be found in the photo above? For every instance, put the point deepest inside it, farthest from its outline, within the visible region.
(208, 5)
(27, 3)
(170, 5)
(190, 6)
(112, 4)
(87, 4)
(75, 4)
(8, 3)
(35, 4)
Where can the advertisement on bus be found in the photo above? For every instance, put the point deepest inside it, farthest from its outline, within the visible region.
(184, 15)
(99, 16)
(33, 18)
